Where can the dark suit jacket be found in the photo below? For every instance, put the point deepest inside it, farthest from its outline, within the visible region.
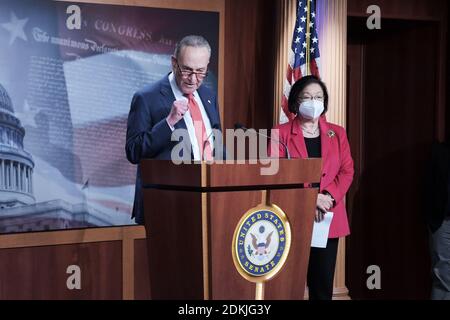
(149, 135)
(437, 186)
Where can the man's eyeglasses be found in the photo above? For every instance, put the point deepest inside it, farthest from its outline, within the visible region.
(188, 73)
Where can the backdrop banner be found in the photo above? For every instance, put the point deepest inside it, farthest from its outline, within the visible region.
(68, 72)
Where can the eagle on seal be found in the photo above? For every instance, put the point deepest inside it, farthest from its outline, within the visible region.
(262, 247)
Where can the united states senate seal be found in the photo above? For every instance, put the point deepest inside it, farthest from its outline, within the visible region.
(261, 243)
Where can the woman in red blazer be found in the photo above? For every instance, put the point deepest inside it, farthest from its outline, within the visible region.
(309, 135)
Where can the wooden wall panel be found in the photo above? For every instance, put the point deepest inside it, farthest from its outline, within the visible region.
(249, 62)
(33, 265)
(40, 272)
(401, 9)
(141, 271)
(394, 105)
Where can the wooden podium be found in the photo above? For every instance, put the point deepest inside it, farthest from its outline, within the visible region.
(191, 212)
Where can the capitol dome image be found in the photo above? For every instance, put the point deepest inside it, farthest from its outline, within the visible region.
(16, 165)
(19, 210)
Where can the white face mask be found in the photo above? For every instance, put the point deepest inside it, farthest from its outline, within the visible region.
(311, 109)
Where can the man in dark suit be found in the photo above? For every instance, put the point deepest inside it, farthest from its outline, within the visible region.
(437, 209)
(178, 101)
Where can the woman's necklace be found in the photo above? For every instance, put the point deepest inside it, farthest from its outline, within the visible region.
(309, 132)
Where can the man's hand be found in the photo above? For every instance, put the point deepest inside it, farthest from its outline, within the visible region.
(324, 202)
(179, 108)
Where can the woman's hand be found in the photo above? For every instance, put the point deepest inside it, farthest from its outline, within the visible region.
(319, 216)
(324, 202)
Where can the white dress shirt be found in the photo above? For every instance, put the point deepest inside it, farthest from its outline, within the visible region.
(188, 119)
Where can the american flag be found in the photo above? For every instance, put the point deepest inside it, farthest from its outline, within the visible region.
(304, 56)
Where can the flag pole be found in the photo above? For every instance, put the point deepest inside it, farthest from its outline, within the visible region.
(308, 39)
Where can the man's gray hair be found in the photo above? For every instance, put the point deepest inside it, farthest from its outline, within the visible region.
(192, 41)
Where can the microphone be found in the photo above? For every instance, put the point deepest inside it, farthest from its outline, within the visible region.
(240, 126)
(213, 127)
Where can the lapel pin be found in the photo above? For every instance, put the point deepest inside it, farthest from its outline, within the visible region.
(331, 133)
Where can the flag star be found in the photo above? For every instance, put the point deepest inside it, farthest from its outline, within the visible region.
(297, 40)
(300, 29)
(313, 15)
(312, 50)
(304, 44)
(311, 24)
(315, 40)
(308, 34)
(306, 9)
(303, 19)
(302, 55)
(15, 27)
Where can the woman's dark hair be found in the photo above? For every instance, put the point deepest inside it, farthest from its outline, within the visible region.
(299, 86)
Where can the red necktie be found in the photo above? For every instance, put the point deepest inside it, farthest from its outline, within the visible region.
(200, 129)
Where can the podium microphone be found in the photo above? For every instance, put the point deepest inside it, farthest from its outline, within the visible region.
(240, 126)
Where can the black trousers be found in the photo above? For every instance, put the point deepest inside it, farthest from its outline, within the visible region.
(322, 262)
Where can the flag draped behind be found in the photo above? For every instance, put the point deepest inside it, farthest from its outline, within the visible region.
(304, 54)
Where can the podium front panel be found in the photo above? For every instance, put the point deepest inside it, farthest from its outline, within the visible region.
(226, 210)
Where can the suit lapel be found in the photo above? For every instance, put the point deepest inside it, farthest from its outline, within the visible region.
(168, 98)
(325, 139)
(298, 139)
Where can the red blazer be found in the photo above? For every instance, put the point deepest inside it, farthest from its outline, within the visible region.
(337, 166)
